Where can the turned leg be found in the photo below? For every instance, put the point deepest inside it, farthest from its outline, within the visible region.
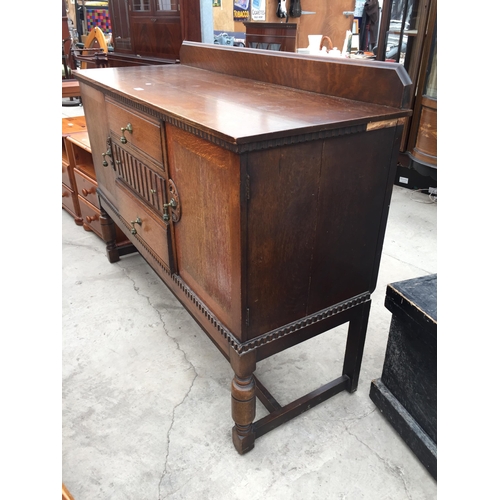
(243, 400)
(355, 344)
(109, 236)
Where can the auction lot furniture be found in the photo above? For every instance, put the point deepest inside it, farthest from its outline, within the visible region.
(79, 184)
(76, 125)
(257, 185)
(407, 391)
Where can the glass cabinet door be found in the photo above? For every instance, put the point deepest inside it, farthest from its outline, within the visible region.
(422, 139)
(408, 36)
(157, 6)
(167, 5)
(141, 6)
(402, 30)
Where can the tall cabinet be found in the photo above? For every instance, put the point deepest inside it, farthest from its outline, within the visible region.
(408, 30)
(151, 31)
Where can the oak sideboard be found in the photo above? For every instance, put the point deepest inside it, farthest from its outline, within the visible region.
(257, 185)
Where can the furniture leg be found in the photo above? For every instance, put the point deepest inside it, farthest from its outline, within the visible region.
(109, 236)
(355, 344)
(243, 399)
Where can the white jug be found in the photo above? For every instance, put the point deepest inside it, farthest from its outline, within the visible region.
(314, 43)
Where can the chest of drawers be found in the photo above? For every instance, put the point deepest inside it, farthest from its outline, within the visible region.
(71, 126)
(257, 185)
(79, 183)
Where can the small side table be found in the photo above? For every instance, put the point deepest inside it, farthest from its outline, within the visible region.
(407, 391)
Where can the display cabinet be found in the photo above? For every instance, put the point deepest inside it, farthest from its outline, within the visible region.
(408, 32)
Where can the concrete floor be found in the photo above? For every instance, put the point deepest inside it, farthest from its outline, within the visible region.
(146, 395)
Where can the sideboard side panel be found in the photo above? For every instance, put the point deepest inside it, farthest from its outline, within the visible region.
(317, 211)
(98, 129)
(352, 215)
(282, 208)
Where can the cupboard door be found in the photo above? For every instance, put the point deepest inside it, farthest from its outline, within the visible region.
(121, 25)
(156, 35)
(207, 237)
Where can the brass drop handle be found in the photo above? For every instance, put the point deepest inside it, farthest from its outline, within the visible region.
(134, 222)
(86, 192)
(107, 153)
(91, 218)
(128, 128)
(172, 203)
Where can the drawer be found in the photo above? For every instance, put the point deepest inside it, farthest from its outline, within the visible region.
(86, 187)
(152, 232)
(68, 200)
(90, 216)
(65, 174)
(144, 135)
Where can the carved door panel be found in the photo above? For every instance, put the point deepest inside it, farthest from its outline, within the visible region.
(207, 236)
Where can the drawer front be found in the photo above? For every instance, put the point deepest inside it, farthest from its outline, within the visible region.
(90, 215)
(144, 136)
(67, 199)
(141, 179)
(86, 187)
(152, 233)
(65, 174)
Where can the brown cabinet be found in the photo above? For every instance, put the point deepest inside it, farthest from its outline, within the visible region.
(257, 185)
(408, 32)
(151, 31)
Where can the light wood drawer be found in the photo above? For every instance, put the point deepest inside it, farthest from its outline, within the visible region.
(67, 199)
(86, 187)
(145, 137)
(152, 232)
(90, 216)
(65, 174)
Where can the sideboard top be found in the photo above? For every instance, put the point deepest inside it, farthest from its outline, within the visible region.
(234, 108)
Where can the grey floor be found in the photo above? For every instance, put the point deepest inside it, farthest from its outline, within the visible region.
(146, 395)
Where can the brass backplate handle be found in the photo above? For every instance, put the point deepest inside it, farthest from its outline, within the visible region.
(175, 202)
(107, 153)
(134, 222)
(128, 128)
